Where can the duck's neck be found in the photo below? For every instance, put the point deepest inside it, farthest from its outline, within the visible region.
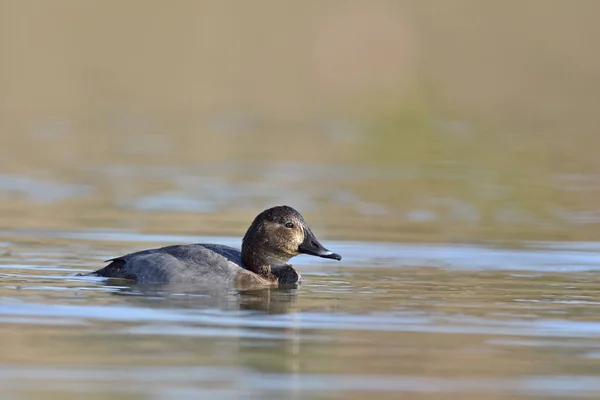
(261, 263)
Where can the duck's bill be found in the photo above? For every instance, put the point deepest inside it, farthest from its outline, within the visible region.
(312, 246)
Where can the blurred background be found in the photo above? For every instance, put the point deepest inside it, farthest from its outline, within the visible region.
(379, 120)
(468, 127)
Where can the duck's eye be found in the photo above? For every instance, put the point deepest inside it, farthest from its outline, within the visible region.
(289, 225)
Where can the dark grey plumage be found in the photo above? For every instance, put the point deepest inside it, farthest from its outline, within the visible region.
(191, 263)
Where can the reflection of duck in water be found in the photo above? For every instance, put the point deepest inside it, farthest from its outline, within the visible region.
(275, 236)
(269, 300)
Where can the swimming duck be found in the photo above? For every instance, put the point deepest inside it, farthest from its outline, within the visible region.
(276, 235)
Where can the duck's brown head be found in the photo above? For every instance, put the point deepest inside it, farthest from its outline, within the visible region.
(278, 234)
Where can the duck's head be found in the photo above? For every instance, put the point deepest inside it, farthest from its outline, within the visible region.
(278, 234)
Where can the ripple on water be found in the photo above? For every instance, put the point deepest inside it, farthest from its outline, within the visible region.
(540, 256)
(397, 318)
(175, 381)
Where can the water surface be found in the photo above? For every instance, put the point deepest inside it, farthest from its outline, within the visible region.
(391, 319)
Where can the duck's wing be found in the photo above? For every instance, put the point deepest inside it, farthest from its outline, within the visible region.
(230, 253)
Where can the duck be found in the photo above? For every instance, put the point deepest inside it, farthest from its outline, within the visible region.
(275, 236)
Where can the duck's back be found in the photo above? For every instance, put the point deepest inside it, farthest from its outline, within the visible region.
(193, 263)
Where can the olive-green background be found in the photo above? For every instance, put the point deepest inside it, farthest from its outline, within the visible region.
(393, 120)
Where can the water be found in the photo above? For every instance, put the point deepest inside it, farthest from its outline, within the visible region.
(389, 320)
